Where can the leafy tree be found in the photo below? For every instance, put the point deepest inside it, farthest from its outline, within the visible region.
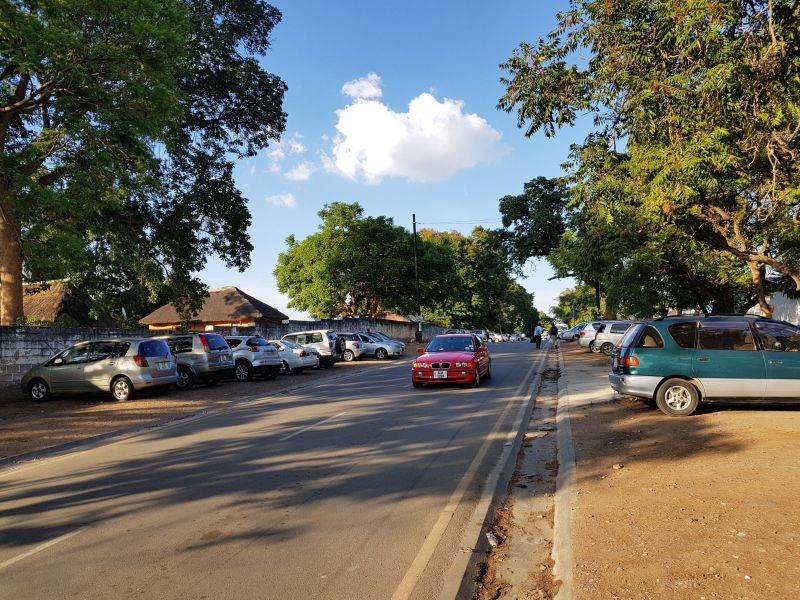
(117, 123)
(703, 99)
(575, 305)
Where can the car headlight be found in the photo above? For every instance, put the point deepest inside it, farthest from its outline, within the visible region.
(420, 365)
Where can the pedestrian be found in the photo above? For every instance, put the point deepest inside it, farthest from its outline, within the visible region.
(537, 335)
(553, 335)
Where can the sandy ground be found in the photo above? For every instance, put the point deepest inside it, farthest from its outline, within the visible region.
(27, 426)
(664, 508)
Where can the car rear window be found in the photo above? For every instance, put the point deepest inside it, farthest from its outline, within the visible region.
(215, 341)
(153, 348)
(649, 338)
(627, 339)
(257, 341)
(233, 342)
(683, 333)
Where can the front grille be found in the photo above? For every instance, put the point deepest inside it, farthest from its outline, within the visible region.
(440, 365)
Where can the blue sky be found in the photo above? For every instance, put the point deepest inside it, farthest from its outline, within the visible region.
(392, 105)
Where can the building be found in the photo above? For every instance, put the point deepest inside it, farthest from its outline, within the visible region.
(59, 303)
(223, 308)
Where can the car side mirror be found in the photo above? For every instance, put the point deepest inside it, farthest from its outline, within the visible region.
(420, 350)
(777, 346)
(58, 361)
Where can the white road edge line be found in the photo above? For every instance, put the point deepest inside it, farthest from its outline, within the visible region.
(41, 547)
(415, 571)
(291, 435)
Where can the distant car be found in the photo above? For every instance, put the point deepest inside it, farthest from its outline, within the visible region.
(295, 359)
(683, 361)
(449, 331)
(116, 366)
(377, 347)
(482, 335)
(253, 354)
(382, 336)
(609, 335)
(353, 347)
(457, 358)
(204, 357)
(587, 334)
(323, 341)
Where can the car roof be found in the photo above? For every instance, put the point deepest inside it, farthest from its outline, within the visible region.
(716, 317)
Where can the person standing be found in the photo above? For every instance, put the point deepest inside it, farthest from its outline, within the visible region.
(553, 334)
(537, 335)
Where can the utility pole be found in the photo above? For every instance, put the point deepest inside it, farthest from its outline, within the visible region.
(418, 333)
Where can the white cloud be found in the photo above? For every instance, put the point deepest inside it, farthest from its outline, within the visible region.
(301, 172)
(366, 87)
(283, 200)
(252, 169)
(282, 149)
(430, 142)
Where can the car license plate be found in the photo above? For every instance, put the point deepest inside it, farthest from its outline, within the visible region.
(164, 366)
(440, 374)
(614, 362)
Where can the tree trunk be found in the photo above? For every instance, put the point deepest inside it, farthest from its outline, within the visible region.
(10, 267)
(757, 273)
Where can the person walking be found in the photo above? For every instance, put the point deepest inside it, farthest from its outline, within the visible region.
(553, 335)
(537, 335)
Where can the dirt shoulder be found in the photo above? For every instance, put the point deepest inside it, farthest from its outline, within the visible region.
(698, 507)
(27, 426)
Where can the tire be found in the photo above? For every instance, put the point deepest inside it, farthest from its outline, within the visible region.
(607, 348)
(185, 379)
(677, 398)
(488, 374)
(348, 356)
(38, 390)
(417, 384)
(381, 353)
(594, 347)
(298, 370)
(477, 382)
(121, 389)
(243, 371)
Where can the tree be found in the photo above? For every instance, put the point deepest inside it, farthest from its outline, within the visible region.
(117, 123)
(703, 97)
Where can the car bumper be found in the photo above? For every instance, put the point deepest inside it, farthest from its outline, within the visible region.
(453, 376)
(642, 386)
(146, 380)
(267, 365)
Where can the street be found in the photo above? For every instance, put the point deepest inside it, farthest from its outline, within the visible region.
(358, 487)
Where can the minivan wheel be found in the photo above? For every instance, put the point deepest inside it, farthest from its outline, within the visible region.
(607, 348)
(348, 355)
(185, 379)
(381, 353)
(243, 371)
(38, 390)
(677, 398)
(121, 389)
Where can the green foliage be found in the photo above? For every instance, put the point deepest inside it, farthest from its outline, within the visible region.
(575, 305)
(703, 99)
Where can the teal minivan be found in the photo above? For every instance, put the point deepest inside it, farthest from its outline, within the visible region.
(683, 360)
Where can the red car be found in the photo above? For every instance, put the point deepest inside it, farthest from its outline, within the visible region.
(458, 358)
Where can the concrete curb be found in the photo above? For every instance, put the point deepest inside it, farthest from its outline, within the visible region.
(494, 494)
(565, 484)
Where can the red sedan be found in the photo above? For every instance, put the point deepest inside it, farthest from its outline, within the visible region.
(458, 358)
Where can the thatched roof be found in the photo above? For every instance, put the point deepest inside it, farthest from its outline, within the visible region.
(50, 301)
(227, 304)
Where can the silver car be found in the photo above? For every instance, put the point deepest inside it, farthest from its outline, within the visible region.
(204, 357)
(353, 346)
(377, 347)
(253, 354)
(609, 335)
(118, 366)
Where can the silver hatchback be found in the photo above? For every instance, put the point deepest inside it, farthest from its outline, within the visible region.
(118, 366)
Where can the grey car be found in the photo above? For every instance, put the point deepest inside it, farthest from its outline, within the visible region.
(253, 354)
(204, 357)
(116, 366)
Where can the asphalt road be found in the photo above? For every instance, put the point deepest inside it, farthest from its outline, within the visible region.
(356, 487)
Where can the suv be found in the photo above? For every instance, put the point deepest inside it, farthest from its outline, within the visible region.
(253, 354)
(353, 348)
(608, 335)
(684, 360)
(324, 341)
(587, 334)
(119, 366)
(204, 357)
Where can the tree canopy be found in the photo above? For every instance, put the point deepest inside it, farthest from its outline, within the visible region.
(695, 159)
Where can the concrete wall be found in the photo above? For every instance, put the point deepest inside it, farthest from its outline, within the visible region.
(23, 347)
(785, 308)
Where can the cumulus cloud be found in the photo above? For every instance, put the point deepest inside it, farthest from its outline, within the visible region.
(366, 87)
(430, 142)
(301, 172)
(283, 200)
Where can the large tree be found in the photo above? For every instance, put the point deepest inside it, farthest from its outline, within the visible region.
(702, 100)
(118, 122)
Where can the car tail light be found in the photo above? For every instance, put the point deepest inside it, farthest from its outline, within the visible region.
(303, 353)
(253, 349)
(204, 341)
(630, 361)
(581, 334)
(140, 361)
(356, 345)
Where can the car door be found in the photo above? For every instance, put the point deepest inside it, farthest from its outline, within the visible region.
(369, 345)
(780, 343)
(727, 362)
(98, 368)
(66, 369)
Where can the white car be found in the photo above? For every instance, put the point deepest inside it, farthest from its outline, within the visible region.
(295, 358)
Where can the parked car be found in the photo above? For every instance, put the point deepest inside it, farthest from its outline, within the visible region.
(323, 341)
(481, 335)
(382, 336)
(683, 361)
(117, 366)
(573, 333)
(377, 347)
(587, 334)
(353, 347)
(609, 335)
(253, 354)
(459, 358)
(449, 331)
(203, 357)
(295, 359)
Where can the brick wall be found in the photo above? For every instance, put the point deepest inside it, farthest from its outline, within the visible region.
(23, 347)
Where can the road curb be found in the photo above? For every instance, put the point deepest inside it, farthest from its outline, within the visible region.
(565, 485)
(460, 584)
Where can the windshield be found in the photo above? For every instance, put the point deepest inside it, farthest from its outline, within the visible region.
(451, 344)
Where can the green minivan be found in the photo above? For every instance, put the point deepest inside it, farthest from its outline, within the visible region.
(680, 361)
